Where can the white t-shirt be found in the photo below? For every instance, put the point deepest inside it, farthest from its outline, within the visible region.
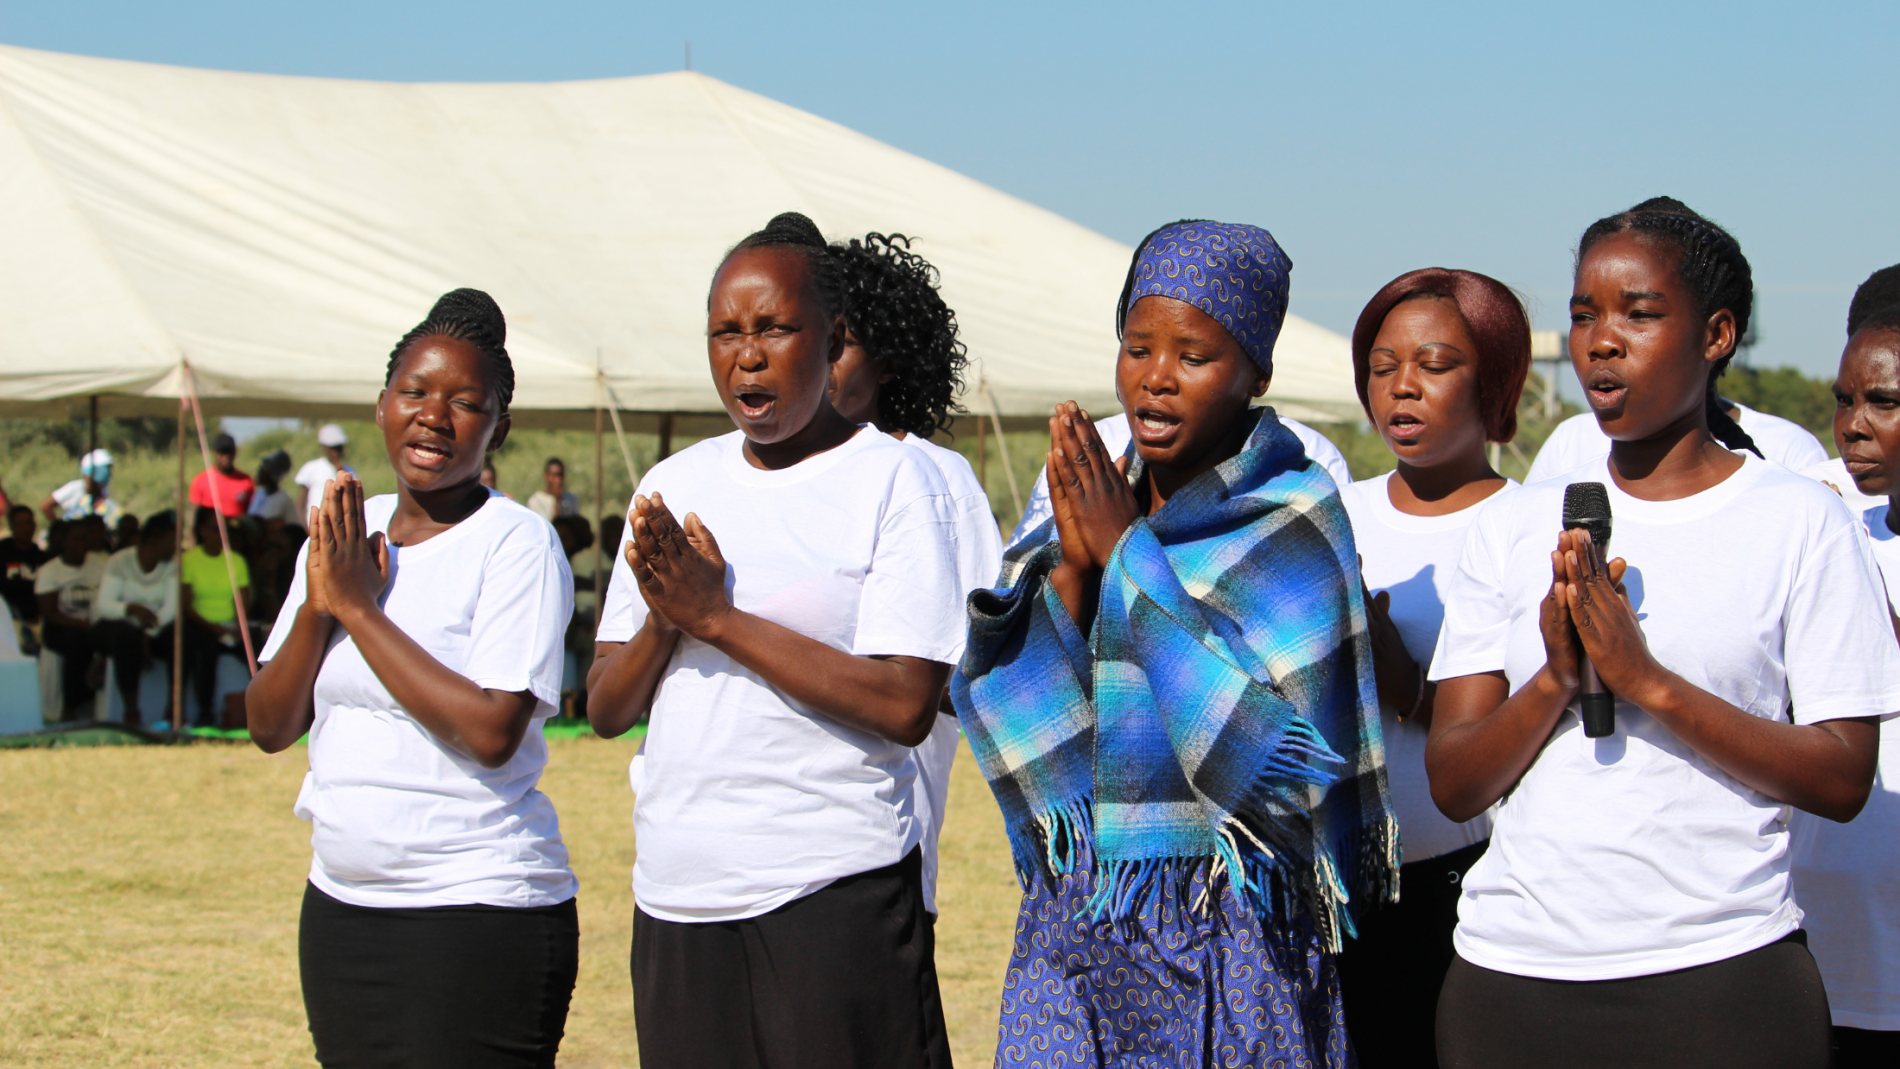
(1847, 876)
(125, 583)
(1116, 434)
(979, 559)
(313, 475)
(542, 504)
(398, 818)
(750, 800)
(277, 505)
(1413, 558)
(1834, 473)
(76, 584)
(1633, 855)
(1580, 439)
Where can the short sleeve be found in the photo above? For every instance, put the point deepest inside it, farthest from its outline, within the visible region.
(1838, 641)
(521, 617)
(624, 612)
(1476, 634)
(287, 614)
(241, 568)
(46, 582)
(912, 603)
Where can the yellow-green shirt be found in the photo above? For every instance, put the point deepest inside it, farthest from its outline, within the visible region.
(211, 584)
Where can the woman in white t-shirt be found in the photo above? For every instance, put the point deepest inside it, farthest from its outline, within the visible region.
(1635, 907)
(901, 371)
(791, 639)
(1847, 876)
(420, 647)
(1439, 357)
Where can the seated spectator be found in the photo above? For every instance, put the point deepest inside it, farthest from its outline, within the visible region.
(88, 495)
(66, 586)
(270, 502)
(126, 534)
(137, 603)
(234, 488)
(276, 530)
(553, 499)
(20, 560)
(488, 479)
(208, 606)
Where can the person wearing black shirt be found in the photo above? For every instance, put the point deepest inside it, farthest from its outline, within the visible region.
(20, 560)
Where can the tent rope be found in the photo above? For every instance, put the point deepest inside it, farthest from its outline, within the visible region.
(1002, 445)
(224, 534)
(613, 412)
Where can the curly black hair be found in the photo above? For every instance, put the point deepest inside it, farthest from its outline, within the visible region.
(893, 309)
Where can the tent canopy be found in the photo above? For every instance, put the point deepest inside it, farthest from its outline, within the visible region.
(280, 233)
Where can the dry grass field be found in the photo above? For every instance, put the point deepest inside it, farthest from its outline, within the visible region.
(148, 907)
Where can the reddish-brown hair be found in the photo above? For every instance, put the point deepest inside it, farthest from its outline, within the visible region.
(1497, 323)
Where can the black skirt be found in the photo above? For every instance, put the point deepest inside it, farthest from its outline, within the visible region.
(454, 987)
(844, 978)
(1765, 1009)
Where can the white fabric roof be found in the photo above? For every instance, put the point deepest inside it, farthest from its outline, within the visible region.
(281, 233)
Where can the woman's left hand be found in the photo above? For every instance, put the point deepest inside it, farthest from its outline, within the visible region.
(352, 562)
(1612, 637)
(682, 574)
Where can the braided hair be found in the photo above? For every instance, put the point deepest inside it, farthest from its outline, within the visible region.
(1710, 263)
(794, 230)
(472, 316)
(893, 309)
(1880, 291)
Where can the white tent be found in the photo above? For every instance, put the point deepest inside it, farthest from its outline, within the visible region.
(278, 234)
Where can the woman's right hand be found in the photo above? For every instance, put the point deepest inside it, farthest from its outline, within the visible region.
(315, 589)
(1563, 653)
(1089, 487)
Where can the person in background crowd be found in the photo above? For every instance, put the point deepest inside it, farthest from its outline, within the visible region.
(1634, 908)
(136, 606)
(318, 471)
(489, 478)
(6, 503)
(88, 495)
(1580, 439)
(577, 537)
(270, 502)
(1439, 358)
(20, 559)
(791, 639)
(1847, 876)
(1881, 290)
(66, 586)
(1171, 694)
(901, 370)
(274, 528)
(420, 649)
(233, 487)
(553, 499)
(209, 605)
(126, 534)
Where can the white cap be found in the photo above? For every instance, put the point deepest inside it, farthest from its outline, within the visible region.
(94, 461)
(332, 435)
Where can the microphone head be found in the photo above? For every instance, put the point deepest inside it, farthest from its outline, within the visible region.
(1587, 505)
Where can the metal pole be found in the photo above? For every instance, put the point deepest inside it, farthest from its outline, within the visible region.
(178, 580)
(666, 435)
(92, 428)
(982, 458)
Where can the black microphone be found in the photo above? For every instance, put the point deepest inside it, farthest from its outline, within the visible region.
(1587, 505)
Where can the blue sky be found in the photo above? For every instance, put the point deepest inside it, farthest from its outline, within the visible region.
(1371, 138)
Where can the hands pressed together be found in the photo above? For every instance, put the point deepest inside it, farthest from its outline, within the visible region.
(682, 574)
(1092, 502)
(1588, 613)
(348, 565)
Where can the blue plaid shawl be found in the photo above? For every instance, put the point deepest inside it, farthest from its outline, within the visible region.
(1222, 713)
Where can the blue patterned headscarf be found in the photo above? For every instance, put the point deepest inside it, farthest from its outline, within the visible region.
(1234, 272)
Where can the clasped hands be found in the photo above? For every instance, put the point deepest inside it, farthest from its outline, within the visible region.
(348, 565)
(682, 574)
(1088, 492)
(1588, 612)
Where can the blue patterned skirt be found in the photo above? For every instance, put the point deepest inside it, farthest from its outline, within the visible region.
(1174, 988)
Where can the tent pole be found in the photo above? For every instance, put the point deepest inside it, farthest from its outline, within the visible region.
(92, 427)
(600, 515)
(178, 580)
(982, 458)
(666, 435)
